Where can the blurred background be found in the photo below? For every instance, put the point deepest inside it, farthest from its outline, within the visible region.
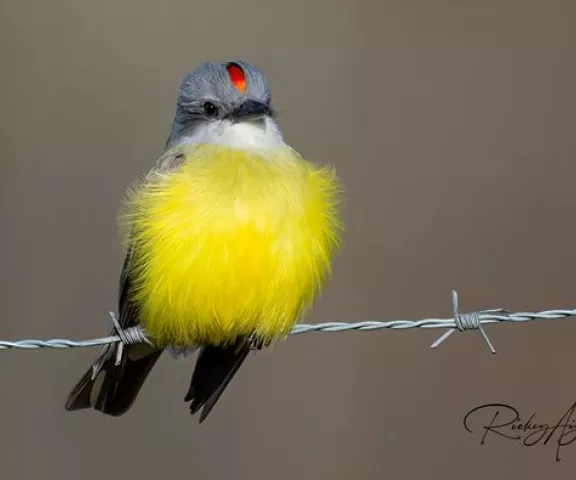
(452, 126)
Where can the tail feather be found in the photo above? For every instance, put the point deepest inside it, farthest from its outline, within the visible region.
(215, 368)
(114, 388)
(79, 397)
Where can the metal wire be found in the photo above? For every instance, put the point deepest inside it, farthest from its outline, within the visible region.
(460, 322)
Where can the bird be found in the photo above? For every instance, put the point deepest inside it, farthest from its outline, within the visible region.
(230, 241)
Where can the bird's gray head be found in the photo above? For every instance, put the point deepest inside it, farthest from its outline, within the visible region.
(225, 103)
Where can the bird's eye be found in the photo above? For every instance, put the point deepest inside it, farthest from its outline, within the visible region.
(210, 109)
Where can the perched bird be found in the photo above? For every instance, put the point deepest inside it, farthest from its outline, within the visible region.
(230, 240)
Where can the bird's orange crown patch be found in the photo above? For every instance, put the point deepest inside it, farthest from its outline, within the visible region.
(237, 76)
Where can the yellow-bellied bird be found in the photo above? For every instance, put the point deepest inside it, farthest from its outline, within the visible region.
(230, 240)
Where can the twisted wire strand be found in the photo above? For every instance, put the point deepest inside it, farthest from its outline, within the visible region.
(460, 322)
(485, 319)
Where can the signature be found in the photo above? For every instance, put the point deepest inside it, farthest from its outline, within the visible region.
(504, 421)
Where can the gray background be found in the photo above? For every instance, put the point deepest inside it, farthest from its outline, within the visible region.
(452, 125)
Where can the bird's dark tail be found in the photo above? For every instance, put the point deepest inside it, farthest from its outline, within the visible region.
(215, 368)
(113, 388)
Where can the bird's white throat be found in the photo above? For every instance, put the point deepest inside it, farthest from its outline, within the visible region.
(262, 134)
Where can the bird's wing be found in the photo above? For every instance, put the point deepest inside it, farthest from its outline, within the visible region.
(112, 388)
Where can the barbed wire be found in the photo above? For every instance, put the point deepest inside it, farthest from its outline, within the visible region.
(460, 322)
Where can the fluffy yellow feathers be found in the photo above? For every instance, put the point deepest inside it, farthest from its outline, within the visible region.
(231, 242)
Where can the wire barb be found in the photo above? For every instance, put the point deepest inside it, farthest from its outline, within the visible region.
(128, 336)
(467, 321)
(124, 336)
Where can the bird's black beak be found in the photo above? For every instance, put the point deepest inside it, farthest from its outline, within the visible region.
(250, 110)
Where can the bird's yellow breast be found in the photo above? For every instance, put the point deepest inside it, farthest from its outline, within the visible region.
(230, 243)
